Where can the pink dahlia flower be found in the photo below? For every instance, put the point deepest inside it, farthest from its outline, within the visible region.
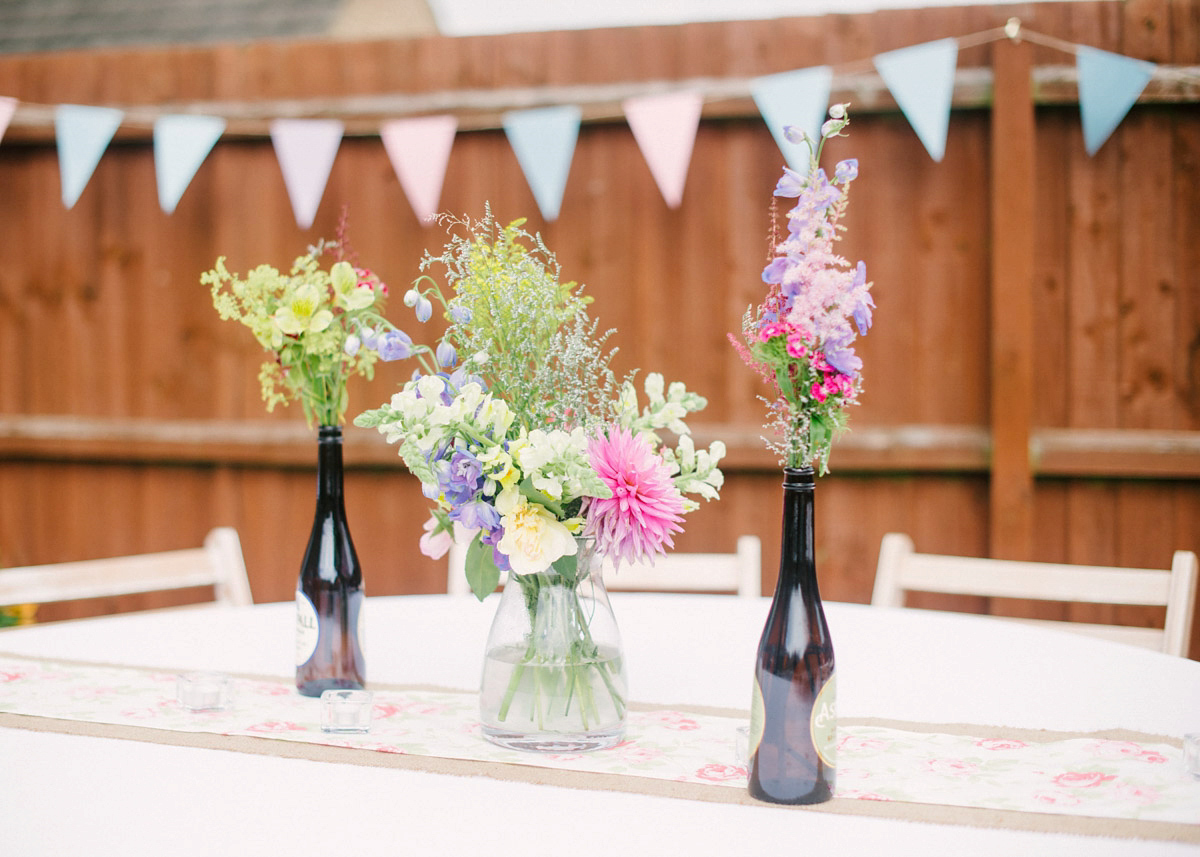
(645, 508)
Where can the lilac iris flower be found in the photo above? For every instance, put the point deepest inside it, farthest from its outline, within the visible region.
(862, 312)
(846, 171)
(477, 515)
(791, 184)
(773, 273)
(445, 354)
(460, 377)
(491, 537)
(840, 355)
(824, 194)
(461, 479)
(395, 345)
(460, 314)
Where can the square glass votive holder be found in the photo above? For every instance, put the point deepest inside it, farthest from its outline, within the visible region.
(1191, 755)
(346, 710)
(204, 691)
(741, 746)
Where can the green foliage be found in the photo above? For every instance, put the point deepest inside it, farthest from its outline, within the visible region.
(534, 345)
(311, 323)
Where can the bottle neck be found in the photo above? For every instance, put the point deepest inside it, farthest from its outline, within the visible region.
(797, 563)
(329, 465)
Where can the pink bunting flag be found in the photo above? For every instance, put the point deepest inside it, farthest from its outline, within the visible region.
(8, 106)
(665, 129)
(306, 149)
(419, 150)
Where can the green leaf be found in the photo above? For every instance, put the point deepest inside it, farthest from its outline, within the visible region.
(819, 432)
(482, 574)
(567, 567)
(535, 496)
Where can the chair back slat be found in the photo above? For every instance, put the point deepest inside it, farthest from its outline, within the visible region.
(218, 564)
(902, 570)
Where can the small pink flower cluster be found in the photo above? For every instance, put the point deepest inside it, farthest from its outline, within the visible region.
(800, 345)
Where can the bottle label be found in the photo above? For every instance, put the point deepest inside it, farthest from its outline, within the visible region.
(307, 629)
(757, 720)
(823, 724)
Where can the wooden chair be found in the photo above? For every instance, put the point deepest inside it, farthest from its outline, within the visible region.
(901, 570)
(218, 564)
(739, 572)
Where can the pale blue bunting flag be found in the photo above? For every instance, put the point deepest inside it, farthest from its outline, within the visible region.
(82, 134)
(1109, 84)
(921, 79)
(181, 143)
(544, 141)
(798, 98)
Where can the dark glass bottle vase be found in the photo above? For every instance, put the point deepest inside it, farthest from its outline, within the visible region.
(793, 719)
(329, 593)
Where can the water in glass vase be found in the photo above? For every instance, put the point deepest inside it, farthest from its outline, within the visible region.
(561, 706)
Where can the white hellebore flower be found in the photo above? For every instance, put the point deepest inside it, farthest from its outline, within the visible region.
(533, 538)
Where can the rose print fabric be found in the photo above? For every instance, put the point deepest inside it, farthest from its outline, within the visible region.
(1082, 776)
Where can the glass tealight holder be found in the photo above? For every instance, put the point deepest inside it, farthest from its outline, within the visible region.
(1191, 755)
(346, 710)
(204, 691)
(741, 746)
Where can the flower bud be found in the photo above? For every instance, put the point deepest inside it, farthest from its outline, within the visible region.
(424, 309)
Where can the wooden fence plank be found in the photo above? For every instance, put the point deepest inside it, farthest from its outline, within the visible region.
(1012, 150)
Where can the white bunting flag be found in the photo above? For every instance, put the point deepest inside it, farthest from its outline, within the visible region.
(181, 143)
(306, 149)
(8, 106)
(1109, 84)
(544, 142)
(82, 134)
(921, 79)
(665, 129)
(419, 150)
(799, 98)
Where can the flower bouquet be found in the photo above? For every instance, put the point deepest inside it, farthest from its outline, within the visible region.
(534, 453)
(319, 327)
(801, 338)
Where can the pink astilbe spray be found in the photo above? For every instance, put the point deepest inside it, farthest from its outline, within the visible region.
(645, 508)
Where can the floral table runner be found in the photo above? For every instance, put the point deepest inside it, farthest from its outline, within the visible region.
(1106, 784)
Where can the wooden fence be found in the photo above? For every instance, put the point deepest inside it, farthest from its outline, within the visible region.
(1033, 379)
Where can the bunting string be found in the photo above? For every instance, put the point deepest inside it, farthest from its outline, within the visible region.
(923, 81)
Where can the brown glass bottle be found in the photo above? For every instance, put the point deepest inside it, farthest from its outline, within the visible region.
(329, 593)
(793, 722)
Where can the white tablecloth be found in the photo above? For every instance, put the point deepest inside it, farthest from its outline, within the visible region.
(65, 794)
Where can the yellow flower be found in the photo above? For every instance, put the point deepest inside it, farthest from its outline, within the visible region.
(533, 538)
(498, 465)
(346, 292)
(302, 313)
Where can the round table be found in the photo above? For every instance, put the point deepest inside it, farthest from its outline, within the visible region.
(69, 794)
